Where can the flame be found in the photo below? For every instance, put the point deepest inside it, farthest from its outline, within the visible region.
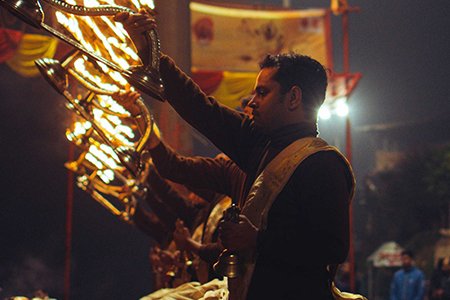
(111, 104)
(110, 40)
(80, 66)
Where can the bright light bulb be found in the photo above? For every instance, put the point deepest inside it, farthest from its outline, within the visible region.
(342, 108)
(324, 112)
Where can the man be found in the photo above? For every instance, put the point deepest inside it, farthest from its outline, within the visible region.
(408, 282)
(295, 215)
(440, 280)
(219, 176)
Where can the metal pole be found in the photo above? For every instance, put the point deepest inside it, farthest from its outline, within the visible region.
(348, 142)
(351, 254)
(345, 43)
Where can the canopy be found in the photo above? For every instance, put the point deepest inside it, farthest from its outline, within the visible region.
(387, 255)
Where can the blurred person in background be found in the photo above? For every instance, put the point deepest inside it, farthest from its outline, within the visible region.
(408, 283)
(440, 280)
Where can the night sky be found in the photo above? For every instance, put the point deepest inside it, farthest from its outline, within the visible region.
(401, 48)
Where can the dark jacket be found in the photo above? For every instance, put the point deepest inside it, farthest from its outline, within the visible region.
(307, 226)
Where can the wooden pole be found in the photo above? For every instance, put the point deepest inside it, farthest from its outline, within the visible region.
(69, 214)
(174, 29)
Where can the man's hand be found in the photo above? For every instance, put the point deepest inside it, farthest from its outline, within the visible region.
(181, 235)
(163, 260)
(127, 99)
(137, 24)
(239, 236)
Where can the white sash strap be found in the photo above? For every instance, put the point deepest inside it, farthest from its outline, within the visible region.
(267, 187)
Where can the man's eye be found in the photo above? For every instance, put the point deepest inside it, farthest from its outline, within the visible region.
(261, 93)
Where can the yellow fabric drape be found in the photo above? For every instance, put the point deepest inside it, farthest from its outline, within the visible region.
(234, 86)
(32, 47)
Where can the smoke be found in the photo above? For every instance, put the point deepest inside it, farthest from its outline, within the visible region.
(29, 275)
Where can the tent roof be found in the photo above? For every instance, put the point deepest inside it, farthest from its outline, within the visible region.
(387, 255)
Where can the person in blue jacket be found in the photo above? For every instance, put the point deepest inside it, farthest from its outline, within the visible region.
(408, 282)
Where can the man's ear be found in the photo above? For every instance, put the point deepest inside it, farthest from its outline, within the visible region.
(295, 98)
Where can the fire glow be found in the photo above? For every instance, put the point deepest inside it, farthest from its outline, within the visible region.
(108, 39)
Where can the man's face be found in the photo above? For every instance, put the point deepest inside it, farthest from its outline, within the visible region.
(268, 101)
(406, 261)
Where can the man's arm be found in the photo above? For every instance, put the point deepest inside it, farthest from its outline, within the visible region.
(216, 174)
(149, 223)
(231, 131)
(196, 172)
(207, 252)
(181, 205)
(165, 214)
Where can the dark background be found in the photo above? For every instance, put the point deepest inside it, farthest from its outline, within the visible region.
(401, 48)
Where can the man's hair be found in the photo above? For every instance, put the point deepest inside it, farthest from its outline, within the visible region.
(408, 253)
(302, 71)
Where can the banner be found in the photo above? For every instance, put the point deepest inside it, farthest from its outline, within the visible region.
(236, 39)
(227, 87)
(30, 48)
(9, 41)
